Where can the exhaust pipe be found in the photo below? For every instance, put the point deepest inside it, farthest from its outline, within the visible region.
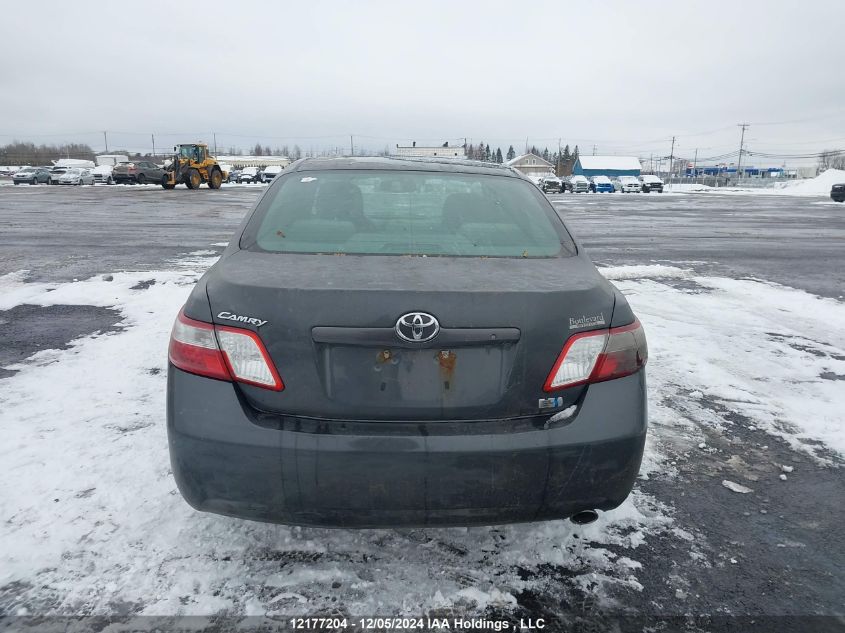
(584, 517)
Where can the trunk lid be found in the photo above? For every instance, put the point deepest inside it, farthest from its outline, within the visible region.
(330, 330)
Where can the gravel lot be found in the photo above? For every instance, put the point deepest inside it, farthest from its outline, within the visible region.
(742, 300)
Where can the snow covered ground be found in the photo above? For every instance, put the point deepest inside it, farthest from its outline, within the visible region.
(93, 523)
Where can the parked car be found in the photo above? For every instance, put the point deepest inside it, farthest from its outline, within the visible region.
(551, 184)
(56, 172)
(227, 171)
(837, 193)
(627, 184)
(140, 172)
(650, 182)
(77, 176)
(233, 175)
(103, 174)
(408, 384)
(248, 174)
(10, 170)
(579, 184)
(270, 172)
(601, 184)
(31, 175)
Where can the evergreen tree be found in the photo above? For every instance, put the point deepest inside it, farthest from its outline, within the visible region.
(297, 153)
(257, 151)
(567, 155)
(267, 151)
(511, 154)
(575, 155)
(499, 155)
(546, 156)
(470, 151)
(487, 155)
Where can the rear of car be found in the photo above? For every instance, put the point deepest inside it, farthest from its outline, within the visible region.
(650, 182)
(126, 173)
(390, 342)
(56, 173)
(628, 184)
(601, 184)
(551, 184)
(579, 184)
(837, 192)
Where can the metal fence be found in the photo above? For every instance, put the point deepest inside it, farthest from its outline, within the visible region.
(724, 181)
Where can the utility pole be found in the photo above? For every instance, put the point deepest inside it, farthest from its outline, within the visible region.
(153, 136)
(672, 158)
(351, 146)
(594, 149)
(741, 141)
(695, 164)
(106, 138)
(214, 134)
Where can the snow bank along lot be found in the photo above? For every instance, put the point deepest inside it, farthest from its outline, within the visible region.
(818, 186)
(92, 522)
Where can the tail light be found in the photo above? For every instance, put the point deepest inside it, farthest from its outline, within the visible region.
(598, 356)
(222, 352)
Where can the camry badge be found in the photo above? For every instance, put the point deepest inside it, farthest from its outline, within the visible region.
(241, 318)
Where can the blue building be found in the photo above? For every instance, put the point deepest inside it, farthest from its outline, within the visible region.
(730, 170)
(610, 166)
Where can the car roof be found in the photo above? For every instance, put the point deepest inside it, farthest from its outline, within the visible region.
(405, 164)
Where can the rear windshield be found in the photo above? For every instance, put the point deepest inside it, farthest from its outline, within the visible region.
(381, 212)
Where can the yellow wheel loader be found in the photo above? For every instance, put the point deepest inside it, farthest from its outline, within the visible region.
(193, 166)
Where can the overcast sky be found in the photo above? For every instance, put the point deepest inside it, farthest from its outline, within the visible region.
(624, 76)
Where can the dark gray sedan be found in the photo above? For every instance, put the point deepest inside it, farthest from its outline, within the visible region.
(137, 172)
(405, 342)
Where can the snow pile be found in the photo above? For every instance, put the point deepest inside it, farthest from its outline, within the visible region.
(687, 187)
(765, 353)
(820, 185)
(644, 271)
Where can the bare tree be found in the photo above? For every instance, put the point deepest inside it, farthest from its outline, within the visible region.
(831, 159)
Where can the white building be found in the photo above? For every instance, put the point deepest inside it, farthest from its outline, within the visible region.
(254, 161)
(532, 166)
(444, 151)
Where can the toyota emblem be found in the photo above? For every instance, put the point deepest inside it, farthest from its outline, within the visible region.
(417, 327)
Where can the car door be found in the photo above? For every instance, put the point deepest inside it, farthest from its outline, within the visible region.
(153, 172)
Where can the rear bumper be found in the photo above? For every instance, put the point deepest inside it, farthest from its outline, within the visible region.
(376, 474)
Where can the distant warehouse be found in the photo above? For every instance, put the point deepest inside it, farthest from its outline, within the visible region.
(439, 151)
(610, 166)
